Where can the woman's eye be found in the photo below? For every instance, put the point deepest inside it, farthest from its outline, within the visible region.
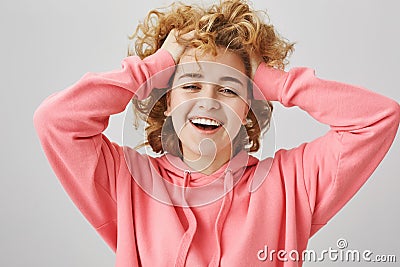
(190, 87)
(228, 91)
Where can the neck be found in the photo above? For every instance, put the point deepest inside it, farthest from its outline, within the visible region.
(207, 164)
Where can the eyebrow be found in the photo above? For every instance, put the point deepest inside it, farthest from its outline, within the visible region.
(191, 75)
(199, 75)
(231, 79)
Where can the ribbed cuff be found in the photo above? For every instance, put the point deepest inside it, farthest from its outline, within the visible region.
(269, 83)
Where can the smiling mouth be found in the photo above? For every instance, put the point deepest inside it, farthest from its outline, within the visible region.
(205, 124)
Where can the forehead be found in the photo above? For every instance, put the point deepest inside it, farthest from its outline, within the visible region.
(223, 66)
(223, 56)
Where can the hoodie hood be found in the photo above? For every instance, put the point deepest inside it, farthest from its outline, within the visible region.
(200, 189)
(175, 168)
(164, 178)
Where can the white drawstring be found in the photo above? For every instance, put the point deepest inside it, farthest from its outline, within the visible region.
(222, 214)
(187, 237)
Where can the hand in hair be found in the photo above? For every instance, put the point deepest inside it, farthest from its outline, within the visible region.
(173, 46)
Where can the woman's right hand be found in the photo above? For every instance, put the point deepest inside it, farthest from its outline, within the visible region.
(173, 46)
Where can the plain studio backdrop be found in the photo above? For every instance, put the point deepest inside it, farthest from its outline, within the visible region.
(48, 45)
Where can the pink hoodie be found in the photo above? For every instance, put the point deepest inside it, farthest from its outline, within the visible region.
(305, 187)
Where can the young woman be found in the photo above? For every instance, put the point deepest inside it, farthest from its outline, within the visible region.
(202, 81)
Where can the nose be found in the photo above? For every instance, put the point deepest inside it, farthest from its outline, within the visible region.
(207, 99)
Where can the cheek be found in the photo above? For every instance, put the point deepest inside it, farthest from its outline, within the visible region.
(236, 115)
(175, 98)
(240, 108)
(178, 109)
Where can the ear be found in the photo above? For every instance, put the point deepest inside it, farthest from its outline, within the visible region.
(246, 112)
(167, 112)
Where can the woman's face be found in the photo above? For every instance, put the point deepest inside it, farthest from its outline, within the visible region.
(208, 103)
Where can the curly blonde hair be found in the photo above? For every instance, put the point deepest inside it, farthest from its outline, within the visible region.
(231, 24)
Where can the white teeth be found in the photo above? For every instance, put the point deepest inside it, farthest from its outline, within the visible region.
(205, 121)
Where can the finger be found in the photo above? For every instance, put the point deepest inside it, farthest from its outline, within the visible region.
(189, 35)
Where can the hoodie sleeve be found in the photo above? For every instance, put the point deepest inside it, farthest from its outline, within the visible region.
(362, 123)
(70, 123)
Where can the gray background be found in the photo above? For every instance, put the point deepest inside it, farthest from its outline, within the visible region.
(47, 45)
